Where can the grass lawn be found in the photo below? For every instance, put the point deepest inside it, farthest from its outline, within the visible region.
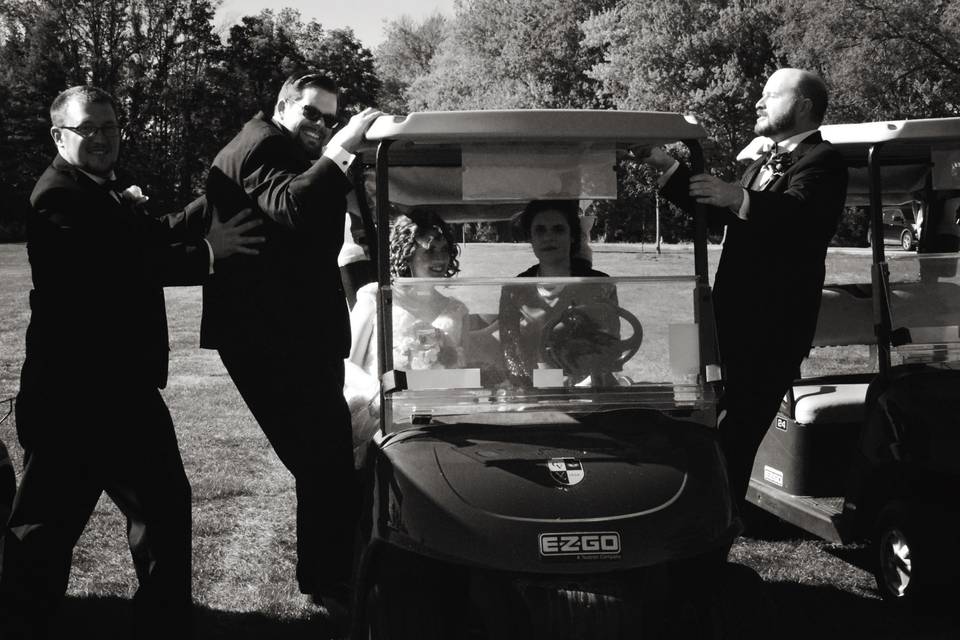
(243, 499)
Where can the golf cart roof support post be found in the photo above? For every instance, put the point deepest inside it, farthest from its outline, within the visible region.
(880, 277)
(384, 299)
(703, 302)
(876, 201)
(700, 215)
(366, 215)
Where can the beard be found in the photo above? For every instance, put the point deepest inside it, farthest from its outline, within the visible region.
(778, 124)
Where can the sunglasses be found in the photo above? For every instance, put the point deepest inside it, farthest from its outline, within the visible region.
(88, 130)
(330, 121)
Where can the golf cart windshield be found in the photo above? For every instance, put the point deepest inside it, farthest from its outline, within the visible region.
(567, 344)
(925, 307)
(502, 344)
(909, 300)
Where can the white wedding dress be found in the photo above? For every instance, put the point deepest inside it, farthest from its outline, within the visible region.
(427, 334)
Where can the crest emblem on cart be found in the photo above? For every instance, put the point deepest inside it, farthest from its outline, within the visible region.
(565, 471)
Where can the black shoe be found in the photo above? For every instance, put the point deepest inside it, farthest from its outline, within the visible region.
(336, 607)
(334, 604)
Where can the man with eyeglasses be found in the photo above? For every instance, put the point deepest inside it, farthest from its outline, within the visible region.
(90, 416)
(279, 320)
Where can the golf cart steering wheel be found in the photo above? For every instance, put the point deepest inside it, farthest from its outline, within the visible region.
(575, 342)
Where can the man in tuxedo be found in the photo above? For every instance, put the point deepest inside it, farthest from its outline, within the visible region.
(779, 219)
(8, 484)
(89, 412)
(279, 319)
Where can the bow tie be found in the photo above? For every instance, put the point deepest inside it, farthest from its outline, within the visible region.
(115, 189)
(777, 162)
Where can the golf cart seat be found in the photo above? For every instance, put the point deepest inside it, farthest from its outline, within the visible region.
(819, 418)
(835, 403)
(845, 319)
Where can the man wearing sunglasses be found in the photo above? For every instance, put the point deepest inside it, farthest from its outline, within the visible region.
(279, 320)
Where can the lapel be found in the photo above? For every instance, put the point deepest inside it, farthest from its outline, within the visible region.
(805, 145)
(751, 173)
(86, 184)
(100, 196)
(796, 156)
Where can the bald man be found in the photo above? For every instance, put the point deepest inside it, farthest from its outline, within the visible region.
(779, 219)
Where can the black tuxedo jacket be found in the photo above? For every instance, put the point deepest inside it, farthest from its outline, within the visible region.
(99, 266)
(770, 277)
(289, 298)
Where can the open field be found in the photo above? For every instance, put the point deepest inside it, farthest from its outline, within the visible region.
(244, 582)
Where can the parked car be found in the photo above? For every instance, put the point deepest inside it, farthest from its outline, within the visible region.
(867, 445)
(900, 227)
(589, 502)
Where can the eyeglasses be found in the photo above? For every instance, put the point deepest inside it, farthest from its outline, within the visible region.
(88, 130)
(330, 121)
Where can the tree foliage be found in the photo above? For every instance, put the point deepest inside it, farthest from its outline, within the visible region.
(709, 58)
(884, 59)
(511, 54)
(181, 93)
(407, 52)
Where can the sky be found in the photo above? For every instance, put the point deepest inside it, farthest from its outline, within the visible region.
(365, 17)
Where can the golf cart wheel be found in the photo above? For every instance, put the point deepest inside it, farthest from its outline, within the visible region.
(896, 545)
(746, 610)
(394, 614)
(907, 240)
(412, 598)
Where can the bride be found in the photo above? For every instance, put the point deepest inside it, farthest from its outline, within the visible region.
(427, 325)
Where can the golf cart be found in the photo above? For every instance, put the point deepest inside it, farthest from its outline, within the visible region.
(589, 501)
(866, 445)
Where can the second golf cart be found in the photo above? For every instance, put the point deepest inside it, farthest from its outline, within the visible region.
(867, 445)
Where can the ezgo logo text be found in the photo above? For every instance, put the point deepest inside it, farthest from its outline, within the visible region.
(584, 546)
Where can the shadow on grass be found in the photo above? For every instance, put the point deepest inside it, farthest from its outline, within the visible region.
(859, 556)
(109, 618)
(762, 525)
(801, 612)
(782, 610)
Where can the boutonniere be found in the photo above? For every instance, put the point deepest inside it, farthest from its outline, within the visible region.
(779, 163)
(134, 195)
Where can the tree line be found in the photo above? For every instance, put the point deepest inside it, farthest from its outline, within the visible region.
(183, 89)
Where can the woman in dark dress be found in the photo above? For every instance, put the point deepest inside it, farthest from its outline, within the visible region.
(553, 228)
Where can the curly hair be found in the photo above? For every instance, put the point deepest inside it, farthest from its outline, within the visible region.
(403, 241)
(570, 209)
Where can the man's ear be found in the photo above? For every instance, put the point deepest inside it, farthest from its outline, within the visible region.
(57, 134)
(279, 108)
(804, 109)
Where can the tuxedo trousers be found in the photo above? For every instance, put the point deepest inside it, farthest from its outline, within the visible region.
(297, 399)
(77, 446)
(754, 387)
(8, 484)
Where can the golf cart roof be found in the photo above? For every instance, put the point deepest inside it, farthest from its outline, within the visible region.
(910, 150)
(484, 165)
(902, 132)
(548, 125)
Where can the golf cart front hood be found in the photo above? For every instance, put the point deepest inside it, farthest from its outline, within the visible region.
(565, 474)
(483, 489)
